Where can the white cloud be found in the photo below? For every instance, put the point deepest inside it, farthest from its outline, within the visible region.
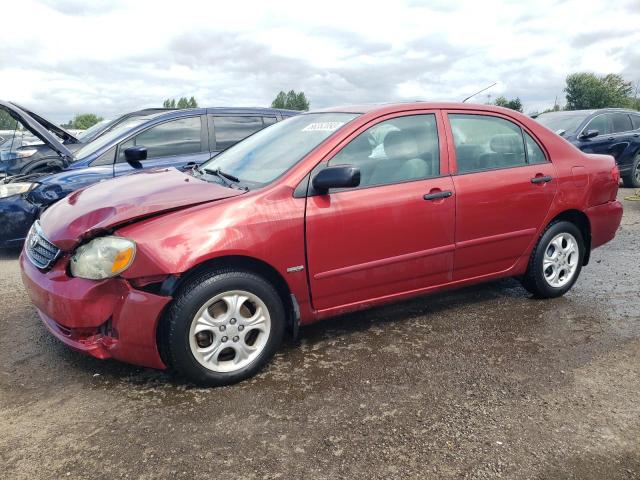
(109, 57)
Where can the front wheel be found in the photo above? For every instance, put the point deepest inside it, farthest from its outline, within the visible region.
(556, 261)
(222, 327)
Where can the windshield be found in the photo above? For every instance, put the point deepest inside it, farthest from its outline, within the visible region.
(108, 137)
(92, 132)
(562, 123)
(267, 154)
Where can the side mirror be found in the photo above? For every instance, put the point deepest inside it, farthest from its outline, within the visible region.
(590, 134)
(339, 176)
(134, 155)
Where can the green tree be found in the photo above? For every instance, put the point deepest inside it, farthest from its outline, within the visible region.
(83, 121)
(6, 121)
(280, 100)
(586, 90)
(291, 100)
(513, 104)
(183, 102)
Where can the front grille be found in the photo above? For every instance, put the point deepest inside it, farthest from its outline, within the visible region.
(40, 251)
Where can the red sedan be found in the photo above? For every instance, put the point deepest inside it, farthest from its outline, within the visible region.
(321, 214)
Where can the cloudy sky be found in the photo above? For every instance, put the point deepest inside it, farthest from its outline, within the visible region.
(62, 57)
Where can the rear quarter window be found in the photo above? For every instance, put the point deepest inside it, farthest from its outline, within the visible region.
(534, 152)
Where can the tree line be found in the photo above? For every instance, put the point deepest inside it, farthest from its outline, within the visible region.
(587, 91)
(183, 102)
(583, 90)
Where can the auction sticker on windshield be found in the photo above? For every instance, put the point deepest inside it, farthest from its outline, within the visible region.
(322, 126)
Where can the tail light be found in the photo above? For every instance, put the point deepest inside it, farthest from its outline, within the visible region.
(615, 173)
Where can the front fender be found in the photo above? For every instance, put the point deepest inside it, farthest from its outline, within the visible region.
(268, 228)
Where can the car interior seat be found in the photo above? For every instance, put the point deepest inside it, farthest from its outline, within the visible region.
(403, 160)
(505, 149)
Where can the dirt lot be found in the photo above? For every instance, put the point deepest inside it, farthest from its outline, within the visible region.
(479, 383)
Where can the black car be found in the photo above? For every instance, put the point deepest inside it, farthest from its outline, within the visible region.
(22, 153)
(611, 131)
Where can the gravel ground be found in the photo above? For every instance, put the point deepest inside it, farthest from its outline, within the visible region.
(479, 383)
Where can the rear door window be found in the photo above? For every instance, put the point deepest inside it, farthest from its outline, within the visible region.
(484, 142)
(635, 121)
(620, 122)
(229, 130)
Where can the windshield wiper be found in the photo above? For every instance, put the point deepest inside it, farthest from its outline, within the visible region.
(227, 178)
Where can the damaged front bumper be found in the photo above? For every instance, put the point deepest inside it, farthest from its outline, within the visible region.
(104, 319)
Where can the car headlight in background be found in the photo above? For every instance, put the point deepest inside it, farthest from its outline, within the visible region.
(103, 257)
(17, 188)
(26, 152)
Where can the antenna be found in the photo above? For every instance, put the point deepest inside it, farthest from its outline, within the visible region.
(480, 91)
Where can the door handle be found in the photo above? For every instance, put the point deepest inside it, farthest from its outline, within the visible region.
(610, 138)
(541, 179)
(438, 195)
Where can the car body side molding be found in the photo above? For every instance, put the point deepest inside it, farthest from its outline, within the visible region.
(385, 261)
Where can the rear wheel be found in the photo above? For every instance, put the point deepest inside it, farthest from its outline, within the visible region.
(556, 261)
(632, 179)
(223, 327)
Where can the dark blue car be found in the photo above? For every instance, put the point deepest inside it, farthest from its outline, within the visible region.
(611, 131)
(18, 157)
(175, 138)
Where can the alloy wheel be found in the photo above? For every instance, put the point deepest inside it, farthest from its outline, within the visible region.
(560, 260)
(230, 331)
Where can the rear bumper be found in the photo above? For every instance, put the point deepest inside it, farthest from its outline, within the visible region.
(104, 319)
(605, 220)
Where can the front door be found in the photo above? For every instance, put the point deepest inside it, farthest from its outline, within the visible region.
(394, 232)
(504, 188)
(605, 142)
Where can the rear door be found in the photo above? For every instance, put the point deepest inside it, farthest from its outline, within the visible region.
(504, 187)
(384, 237)
(181, 143)
(622, 138)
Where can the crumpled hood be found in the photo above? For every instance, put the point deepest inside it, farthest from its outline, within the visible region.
(114, 202)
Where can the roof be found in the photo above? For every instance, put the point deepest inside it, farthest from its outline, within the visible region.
(154, 113)
(383, 107)
(591, 111)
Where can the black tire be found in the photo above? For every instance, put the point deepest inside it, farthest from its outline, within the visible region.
(174, 332)
(632, 179)
(534, 280)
